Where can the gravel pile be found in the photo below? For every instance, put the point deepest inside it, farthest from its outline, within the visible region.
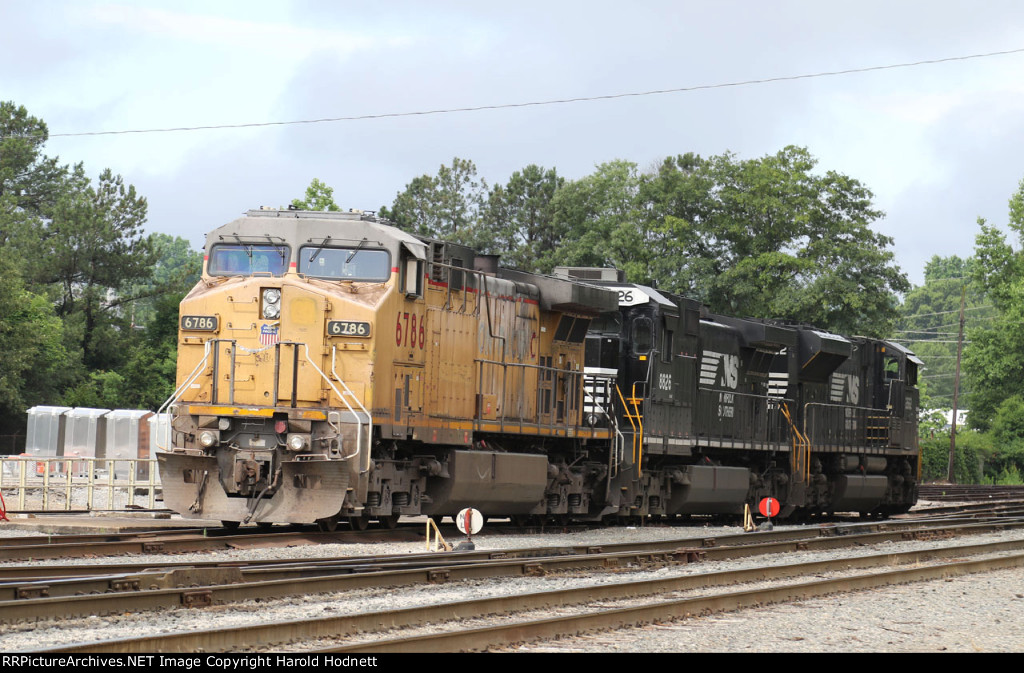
(976, 613)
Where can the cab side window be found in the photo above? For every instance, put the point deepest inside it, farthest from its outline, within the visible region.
(643, 336)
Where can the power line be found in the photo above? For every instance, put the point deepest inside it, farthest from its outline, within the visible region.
(557, 101)
(924, 315)
(928, 330)
(926, 341)
(918, 331)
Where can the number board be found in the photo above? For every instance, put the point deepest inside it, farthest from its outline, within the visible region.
(631, 296)
(350, 328)
(206, 323)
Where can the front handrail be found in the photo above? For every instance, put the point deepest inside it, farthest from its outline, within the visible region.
(348, 391)
(636, 401)
(180, 390)
(618, 444)
(801, 447)
(629, 417)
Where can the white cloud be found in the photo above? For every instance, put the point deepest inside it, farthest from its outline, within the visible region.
(293, 41)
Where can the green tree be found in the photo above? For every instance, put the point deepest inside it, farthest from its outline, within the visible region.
(446, 206)
(766, 237)
(929, 323)
(521, 218)
(88, 303)
(970, 448)
(91, 249)
(782, 241)
(318, 197)
(602, 217)
(176, 270)
(33, 362)
(29, 181)
(993, 359)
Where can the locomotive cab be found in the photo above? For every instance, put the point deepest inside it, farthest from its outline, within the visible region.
(276, 351)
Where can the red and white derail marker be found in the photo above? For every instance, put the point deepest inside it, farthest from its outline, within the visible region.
(768, 507)
(469, 522)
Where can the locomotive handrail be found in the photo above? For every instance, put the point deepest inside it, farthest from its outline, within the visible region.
(774, 422)
(868, 413)
(629, 417)
(448, 287)
(359, 428)
(527, 365)
(883, 412)
(638, 444)
(180, 390)
(620, 439)
(801, 445)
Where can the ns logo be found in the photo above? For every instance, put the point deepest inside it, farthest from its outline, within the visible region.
(721, 370)
(845, 389)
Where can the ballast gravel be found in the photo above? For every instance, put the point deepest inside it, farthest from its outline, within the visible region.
(976, 613)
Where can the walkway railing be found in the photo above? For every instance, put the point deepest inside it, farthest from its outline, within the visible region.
(74, 484)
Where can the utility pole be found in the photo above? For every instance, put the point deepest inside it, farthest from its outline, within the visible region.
(950, 476)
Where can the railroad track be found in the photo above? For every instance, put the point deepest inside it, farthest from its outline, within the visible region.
(444, 636)
(185, 540)
(277, 580)
(178, 541)
(181, 541)
(970, 492)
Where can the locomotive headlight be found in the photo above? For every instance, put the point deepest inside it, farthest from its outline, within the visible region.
(208, 438)
(298, 442)
(272, 303)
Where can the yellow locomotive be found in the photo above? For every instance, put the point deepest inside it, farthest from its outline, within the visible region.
(332, 367)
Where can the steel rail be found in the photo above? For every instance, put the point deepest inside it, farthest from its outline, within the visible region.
(17, 582)
(57, 547)
(35, 600)
(87, 538)
(276, 633)
(177, 541)
(546, 629)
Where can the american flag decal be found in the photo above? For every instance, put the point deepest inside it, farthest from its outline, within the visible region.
(269, 334)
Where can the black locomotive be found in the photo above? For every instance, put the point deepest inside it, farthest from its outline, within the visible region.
(717, 412)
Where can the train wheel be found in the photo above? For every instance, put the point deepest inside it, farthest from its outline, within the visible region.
(328, 525)
(265, 525)
(389, 522)
(361, 522)
(231, 525)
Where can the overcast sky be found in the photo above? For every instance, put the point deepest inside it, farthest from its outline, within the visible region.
(939, 145)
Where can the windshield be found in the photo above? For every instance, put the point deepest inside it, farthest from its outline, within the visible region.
(246, 260)
(345, 263)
